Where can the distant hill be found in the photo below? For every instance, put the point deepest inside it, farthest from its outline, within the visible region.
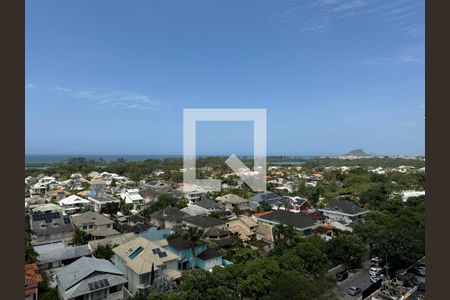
(356, 152)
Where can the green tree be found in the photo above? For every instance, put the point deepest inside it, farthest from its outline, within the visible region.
(30, 255)
(346, 248)
(103, 252)
(51, 294)
(194, 235)
(79, 237)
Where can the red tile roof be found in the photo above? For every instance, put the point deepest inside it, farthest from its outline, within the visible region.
(263, 213)
(31, 275)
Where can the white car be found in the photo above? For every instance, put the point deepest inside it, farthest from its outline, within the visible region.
(374, 279)
(374, 271)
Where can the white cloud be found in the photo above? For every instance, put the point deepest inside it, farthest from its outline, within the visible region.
(407, 56)
(110, 99)
(319, 15)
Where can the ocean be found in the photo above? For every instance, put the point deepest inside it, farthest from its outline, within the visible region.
(52, 158)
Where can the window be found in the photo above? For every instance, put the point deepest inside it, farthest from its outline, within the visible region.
(84, 227)
(102, 294)
(144, 278)
(163, 267)
(108, 226)
(115, 289)
(91, 226)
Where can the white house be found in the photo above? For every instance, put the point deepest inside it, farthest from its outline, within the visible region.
(132, 196)
(74, 204)
(344, 211)
(139, 257)
(191, 192)
(408, 194)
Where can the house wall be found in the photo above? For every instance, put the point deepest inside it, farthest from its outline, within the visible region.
(130, 275)
(208, 264)
(133, 278)
(337, 217)
(187, 254)
(51, 238)
(155, 234)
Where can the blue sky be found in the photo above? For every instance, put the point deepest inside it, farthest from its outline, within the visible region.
(113, 77)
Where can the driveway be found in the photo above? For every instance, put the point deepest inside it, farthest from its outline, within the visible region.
(359, 279)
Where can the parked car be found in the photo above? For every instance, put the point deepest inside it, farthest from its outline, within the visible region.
(406, 280)
(374, 279)
(353, 290)
(376, 262)
(418, 271)
(375, 271)
(340, 276)
(421, 287)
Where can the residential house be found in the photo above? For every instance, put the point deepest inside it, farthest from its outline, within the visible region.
(98, 187)
(59, 194)
(203, 207)
(264, 233)
(155, 234)
(203, 222)
(231, 202)
(167, 217)
(325, 231)
(268, 197)
(301, 221)
(209, 259)
(205, 258)
(32, 279)
(220, 237)
(131, 196)
(152, 193)
(74, 204)
(244, 226)
(112, 241)
(182, 248)
(38, 189)
(296, 204)
(90, 278)
(101, 201)
(343, 211)
(96, 225)
(210, 205)
(46, 207)
(194, 210)
(50, 227)
(138, 258)
(59, 254)
(410, 193)
(191, 192)
(137, 228)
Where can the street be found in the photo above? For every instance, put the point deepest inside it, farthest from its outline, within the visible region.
(359, 279)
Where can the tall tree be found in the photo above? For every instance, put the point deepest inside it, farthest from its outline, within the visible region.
(79, 237)
(194, 235)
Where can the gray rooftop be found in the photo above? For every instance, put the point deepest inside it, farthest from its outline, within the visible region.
(73, 274)
(58, 254)
(343, 206)
(297, 220)
(91, 217)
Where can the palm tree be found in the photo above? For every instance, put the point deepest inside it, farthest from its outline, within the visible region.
(79, 237)
(194, 235)
(284, 235)
(152, 274)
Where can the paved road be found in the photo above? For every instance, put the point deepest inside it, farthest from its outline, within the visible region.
(359, 279)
